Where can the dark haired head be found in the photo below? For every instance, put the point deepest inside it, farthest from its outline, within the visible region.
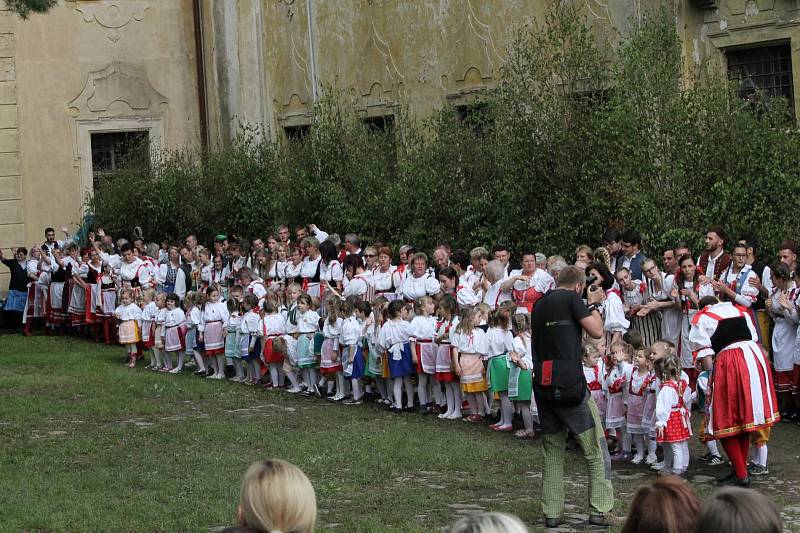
(327, 251)
(705, 301)
(632, 237)
(449, 272)
(174, 298)
(605, 273)
(394, 309)
(781, 271)
(125, 248)
(720, 231)
(449, 303)
(461, 258)
(352, 263)
(49, 230)
(611, 235)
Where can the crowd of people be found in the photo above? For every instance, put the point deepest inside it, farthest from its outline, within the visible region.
(450, 334)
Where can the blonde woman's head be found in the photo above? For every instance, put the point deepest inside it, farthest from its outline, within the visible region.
(277, 496)
(489, 523)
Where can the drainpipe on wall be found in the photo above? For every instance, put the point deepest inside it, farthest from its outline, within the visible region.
(311, 53)
(201, 72)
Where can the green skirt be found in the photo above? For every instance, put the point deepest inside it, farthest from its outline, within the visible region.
(498, 373)
(524, 387)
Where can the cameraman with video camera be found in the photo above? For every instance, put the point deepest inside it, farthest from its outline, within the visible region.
(557, 324)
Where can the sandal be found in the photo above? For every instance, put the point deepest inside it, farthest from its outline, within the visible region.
(524, 434)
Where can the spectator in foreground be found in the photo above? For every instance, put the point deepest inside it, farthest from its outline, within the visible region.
(668, 505)
(738, 510)
(276, 496)
(489, 523)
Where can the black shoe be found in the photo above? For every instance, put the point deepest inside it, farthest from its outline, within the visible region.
(726, 478)
(552, 523)
(598, 521)
(737, 482)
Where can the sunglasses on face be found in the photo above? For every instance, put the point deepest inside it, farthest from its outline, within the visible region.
(370, 255)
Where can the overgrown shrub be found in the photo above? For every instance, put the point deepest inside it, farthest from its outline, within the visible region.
(567, 144)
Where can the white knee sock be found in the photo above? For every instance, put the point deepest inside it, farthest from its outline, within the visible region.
(220, 359)
(380, 383)
(437, 393)
(626, 440)
(397, 389)
(762, 455)
(293, 380)
(168, 360)
(638, 440)
(449, 398)
(651, 446)
(273, 374)
(422, 389)
(201, 365)
(409, 391)
(237, 364)
(457, 397)
(180, 360)
(668, 456)
(712, 447)
(340, 385)
(506, 410)
(357, 394)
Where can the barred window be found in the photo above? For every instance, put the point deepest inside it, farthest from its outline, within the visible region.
(765, 68)
(112, 151)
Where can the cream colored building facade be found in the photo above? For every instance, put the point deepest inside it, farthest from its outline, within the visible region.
(191, 71)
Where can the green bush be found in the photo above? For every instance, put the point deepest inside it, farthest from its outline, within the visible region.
(577, 137)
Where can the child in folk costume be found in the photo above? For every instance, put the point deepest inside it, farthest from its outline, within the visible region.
(423, 351)
(445, 325)
(211, 332)
(38, 272)
(469, 347)
(520, 377)
(56, 315)
(499, 344)
(638, 387)
(330, 365)
(234, 340)
(672, 417)
(94, 270)
(393, 342)
(375, 357)
(173, 334)
(128, 315)
(594, 370)
(108, 301)
(192, 303)
(781, 307)
(307, 326)
(687, 290)
(158, 331)
(148, 324)
(617, 382)
(273, 328)
(352, 344)
(290, 368)
(219, 275)
(277, 271)
(76, 286)
(635, 298)
(251, 350)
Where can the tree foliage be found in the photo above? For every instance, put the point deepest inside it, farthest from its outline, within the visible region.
(24, 8)
(569, 143)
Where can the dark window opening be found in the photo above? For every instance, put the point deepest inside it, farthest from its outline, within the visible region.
(475, 116)
(297, 134)
(114, 151)
(765, 69)
(380, 123)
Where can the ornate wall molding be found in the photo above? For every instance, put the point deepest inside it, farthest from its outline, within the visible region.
(113, 16)
(117, 82)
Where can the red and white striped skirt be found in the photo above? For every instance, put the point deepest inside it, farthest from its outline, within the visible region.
(175, 339)
(426, 357)
(213, 338)
(742, 396)
(444, 363)
(326, 364)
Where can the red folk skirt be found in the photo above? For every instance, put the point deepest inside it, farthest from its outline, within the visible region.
(742, 397)
(271, 356)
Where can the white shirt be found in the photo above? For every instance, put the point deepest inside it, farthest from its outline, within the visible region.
(174, 317)
(274, 324)
(128, 312)
(213, 312)
(413, 288)
(422, 327)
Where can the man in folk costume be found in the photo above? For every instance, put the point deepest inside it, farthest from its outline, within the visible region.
(51, 243)
(632, 257)
(735, 285)
(714, 261)
(761, 269)
(742, 396)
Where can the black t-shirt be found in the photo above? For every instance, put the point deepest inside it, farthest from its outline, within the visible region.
(555, 325)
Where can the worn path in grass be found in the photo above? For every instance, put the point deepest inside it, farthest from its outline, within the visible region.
(88, 445)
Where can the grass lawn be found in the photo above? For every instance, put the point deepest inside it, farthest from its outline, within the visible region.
(88, 445)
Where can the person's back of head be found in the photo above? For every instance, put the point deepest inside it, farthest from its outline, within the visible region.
(277, 496)
(489, 523)
(668, 505)
(738, 510)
